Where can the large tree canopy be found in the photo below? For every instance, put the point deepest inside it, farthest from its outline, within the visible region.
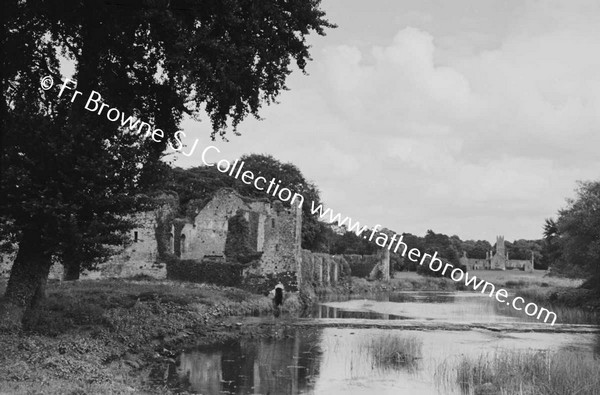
(69, 176)
(575, 235)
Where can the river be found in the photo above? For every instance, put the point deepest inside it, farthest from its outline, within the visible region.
(329, 352)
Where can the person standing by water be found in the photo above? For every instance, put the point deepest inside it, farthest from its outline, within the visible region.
(277, 294)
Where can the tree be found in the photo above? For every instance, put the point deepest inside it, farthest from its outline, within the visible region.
(550, 252)
(67, 171)
(578, 233)
(476, 249)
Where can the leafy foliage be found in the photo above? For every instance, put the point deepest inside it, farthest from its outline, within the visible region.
(575, 236)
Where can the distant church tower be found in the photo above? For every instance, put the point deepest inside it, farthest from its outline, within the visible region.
(498, 261)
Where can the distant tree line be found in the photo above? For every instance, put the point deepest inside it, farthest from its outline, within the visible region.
(450, 248)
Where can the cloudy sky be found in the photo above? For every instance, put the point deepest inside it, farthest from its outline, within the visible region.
(473, 118)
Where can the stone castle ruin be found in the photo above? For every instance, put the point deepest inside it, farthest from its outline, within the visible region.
(274, 230)
(272, 235)
(498, 260)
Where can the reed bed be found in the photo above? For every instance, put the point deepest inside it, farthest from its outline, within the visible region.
(393, 351)
(523, 373)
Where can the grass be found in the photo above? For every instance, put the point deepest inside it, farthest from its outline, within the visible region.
(393, 351)
(522, 372)
(92, 303)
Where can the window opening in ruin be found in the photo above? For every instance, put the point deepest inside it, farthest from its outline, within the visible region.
(182, 244)
(135, 236)
(272, 222)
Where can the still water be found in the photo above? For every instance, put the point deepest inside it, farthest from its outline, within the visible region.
(334, 360)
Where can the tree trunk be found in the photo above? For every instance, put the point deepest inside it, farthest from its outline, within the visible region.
(72, 270)
(27, 282)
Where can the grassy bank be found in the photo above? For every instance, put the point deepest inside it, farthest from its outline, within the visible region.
(561, 295)
(117, 336)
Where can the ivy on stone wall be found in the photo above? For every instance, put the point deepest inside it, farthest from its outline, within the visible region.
(237, 245)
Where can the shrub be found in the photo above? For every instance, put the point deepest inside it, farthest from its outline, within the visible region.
(220, 273)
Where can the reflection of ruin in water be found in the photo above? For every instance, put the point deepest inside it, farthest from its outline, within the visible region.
(285, 363)
(322, 311)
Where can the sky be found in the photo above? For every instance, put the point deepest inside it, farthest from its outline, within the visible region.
(473, 118)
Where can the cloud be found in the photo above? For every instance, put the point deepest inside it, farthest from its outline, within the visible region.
(459, 131)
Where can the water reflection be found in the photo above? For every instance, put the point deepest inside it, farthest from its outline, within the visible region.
(284, 363)
(457, 307)
(324, 311)
(453, 308)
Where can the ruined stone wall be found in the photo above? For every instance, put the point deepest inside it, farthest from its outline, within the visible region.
(282, 237)
(273, 229)
(381, 271)
(207, 234)
(525, 265)
(474, 264)
(140, 257)
(498, 262)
